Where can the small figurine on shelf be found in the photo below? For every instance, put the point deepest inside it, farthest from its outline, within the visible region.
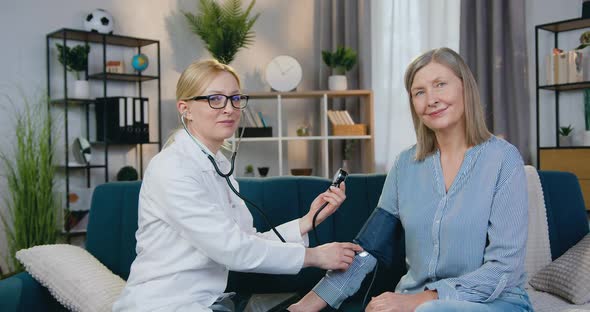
(115, 66)
(303, 130)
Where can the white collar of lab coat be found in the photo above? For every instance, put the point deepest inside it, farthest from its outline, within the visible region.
(188, 146)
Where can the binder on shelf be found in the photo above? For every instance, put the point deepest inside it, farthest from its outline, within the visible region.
(126, 120)
(129, 121)
(145, 126)
(137, 120)
(108, 115)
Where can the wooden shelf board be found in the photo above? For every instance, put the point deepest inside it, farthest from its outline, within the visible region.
(567, 86)
(86, 36)
(72, 101)
(305, 138)
(571, 24)
(308, 94)
(121, 77)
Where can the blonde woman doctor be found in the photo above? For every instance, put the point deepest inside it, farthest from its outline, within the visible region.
(192, 229)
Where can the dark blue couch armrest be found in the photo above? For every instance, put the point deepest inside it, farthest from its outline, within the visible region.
(23, 293)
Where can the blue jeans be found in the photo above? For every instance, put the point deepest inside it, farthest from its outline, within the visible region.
(505, 302)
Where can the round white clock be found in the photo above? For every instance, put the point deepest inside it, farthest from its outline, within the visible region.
(283, 73)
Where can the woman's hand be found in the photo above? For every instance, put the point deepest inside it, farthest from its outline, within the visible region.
(334, 197)
(392, 302)
(332, 256)
(309, 303)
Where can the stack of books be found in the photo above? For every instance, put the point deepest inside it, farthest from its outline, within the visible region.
(342, 124)
(255, 124)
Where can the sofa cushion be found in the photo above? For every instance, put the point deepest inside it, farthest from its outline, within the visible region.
(73, 276)
(569, 275)
(566, 213)
(546, 302)
(112, 225)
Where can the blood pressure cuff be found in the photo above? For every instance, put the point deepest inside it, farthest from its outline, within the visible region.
(380, 235)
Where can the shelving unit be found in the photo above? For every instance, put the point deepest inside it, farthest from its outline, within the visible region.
(574, 159)
(323, 98)
(103, 79)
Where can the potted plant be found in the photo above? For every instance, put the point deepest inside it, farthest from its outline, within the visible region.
(249, 171)
(225, 29)
(76, 60)
(348, 148)
(565, 133)
(341, 61)
(29, 169)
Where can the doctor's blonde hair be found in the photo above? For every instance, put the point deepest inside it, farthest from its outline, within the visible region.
(195, 79)
(476, 130)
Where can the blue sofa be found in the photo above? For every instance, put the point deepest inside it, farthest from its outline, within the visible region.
(113, 222)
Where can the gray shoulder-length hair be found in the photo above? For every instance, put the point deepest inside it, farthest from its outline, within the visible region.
(476, 130)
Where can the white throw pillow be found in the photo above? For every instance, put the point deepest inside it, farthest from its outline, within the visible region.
(73, 276)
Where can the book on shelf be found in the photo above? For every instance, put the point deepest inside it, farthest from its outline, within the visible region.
(340, 117)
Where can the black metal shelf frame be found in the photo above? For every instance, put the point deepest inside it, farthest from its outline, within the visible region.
(64, 35)
(556, 28)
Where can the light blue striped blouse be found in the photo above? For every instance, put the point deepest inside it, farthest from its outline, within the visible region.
(467, 243)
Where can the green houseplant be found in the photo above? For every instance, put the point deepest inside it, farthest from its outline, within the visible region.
(225, 28)
(341, 60)
(76, 60)
(31, 201)
(249, 171)
(565, 133)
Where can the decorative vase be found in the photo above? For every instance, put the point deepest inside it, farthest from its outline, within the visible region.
(263, 171)
(337, 82)
(565, 140)
(81, 89)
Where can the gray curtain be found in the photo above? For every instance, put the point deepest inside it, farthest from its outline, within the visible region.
(493, 43)
(345, 23)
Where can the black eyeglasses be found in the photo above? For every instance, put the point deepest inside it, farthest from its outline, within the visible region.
(219, 101)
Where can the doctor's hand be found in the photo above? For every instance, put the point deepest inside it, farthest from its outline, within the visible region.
(332, 256)
(333, 196)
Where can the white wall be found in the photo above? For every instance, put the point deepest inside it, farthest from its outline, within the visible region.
(284, 27)
(571, 103)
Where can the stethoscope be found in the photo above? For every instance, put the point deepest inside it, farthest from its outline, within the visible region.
(227, 175)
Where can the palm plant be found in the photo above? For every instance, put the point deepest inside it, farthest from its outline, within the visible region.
(31, 200)
(225, 29)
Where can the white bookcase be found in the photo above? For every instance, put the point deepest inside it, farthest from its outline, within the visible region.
(324, 136)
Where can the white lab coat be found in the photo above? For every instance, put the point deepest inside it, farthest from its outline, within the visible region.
(193, 230)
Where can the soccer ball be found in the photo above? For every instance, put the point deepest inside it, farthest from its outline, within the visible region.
(99, 21)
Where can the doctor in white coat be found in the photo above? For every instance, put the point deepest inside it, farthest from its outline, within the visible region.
(192, 229)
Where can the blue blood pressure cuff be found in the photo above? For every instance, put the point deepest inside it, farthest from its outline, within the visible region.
(380, 235)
